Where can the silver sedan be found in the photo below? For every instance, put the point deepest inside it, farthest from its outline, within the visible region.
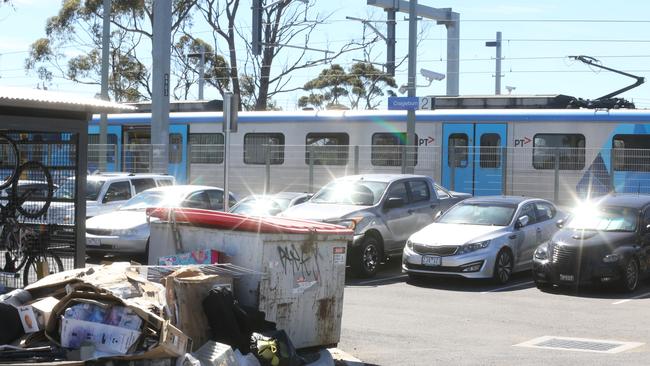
(126, 230)
(484, 237)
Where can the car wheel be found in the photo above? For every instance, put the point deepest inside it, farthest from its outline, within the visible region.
(368, 257)
(503, 267)
(543, 286)
(630, 279)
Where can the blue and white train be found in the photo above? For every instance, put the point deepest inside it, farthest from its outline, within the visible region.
(516, 151)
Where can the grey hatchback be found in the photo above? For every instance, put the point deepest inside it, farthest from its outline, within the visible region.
(382, 209)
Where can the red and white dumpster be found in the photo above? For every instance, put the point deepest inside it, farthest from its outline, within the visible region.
(302, 265)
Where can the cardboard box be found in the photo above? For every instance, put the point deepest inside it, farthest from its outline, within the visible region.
(169, 341)
(185, 290)
(35, 316)
(201, 256)
(106, 338)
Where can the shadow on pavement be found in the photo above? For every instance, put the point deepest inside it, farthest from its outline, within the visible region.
(519, 281)
(599, 292)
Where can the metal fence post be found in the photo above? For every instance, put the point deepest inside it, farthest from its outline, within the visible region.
(311, 168)
(504, 170)
(556, 188)
(267, 181)
(356, 159)
(612, 184)
(452, 160)
(403, 156)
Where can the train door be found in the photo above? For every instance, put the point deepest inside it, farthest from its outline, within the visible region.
(178, 153)
(138, 151)
(113, 150)
(472, 159)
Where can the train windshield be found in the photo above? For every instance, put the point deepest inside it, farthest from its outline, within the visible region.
(604, 219)
(363, 193)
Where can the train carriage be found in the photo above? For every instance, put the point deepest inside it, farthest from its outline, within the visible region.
(550, 153)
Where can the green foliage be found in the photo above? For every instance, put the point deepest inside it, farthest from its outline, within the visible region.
(363, 84)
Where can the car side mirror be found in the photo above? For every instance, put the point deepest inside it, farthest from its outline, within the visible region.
(438, 215)
(394, 202)
(559, 223)
(521, 222)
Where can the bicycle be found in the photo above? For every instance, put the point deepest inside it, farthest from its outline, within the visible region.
(15, 236)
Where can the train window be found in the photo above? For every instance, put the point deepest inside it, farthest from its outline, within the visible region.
(490, 150)
(387, 149)
(256, 146)
(328, 148)
(458, 150)
(206, 148)
(570, 147)
(631, 153)
(111, 149)
(175, 148)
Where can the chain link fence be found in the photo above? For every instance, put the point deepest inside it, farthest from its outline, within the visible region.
(557, 174)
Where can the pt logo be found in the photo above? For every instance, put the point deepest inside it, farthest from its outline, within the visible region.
(522, 142)
(426, 142)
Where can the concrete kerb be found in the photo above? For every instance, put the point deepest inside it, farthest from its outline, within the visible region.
(343, 358)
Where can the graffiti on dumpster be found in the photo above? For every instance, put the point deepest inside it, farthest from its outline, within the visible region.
(302, 266)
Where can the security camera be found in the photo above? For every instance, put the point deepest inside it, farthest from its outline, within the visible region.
(432, 75)
(403, 89)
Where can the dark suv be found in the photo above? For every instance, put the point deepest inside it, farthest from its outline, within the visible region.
(606, 241)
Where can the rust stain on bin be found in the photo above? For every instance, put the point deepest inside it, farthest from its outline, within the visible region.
(326, 319)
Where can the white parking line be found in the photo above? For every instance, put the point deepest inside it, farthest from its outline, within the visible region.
(379, 280)
(631, 298)
(508, 287)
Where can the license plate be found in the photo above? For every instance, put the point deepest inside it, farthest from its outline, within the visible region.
(92, 242)
(430, 260)
(564, 277)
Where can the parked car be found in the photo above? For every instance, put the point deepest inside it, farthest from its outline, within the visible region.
(126, 230)
(269, 205)
(481, 237)
(105, 192)
(605, 241)
(382, 209)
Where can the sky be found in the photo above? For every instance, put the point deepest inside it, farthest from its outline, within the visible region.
(538, 37)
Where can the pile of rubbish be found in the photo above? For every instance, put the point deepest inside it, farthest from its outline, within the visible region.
(132, 314)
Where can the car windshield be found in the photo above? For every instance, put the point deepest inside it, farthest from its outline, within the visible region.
(349, 192)
(148, 199)
(260, 206)
(603, 219)
(93, 187)
(66, 190)
(491, 214)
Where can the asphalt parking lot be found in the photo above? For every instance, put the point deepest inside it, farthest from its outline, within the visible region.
(389, 320)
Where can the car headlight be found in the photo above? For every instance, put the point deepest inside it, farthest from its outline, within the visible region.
(348, 223)
(471, 247)
(611, 258)
(541, 252)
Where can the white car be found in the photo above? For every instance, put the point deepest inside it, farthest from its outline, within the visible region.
(482, 237)
(126, 230)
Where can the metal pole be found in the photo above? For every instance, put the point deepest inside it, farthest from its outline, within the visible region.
(202, 72)
(453, 54)
(390, 42)
(403, 162)
(227, 105)
(504, 169)
(311, 169)
(161, 53)
(452, 178)
(497, 79)
(103, 122)
(412, 65)
(356, 159)
(267, 181)
(556, 186)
